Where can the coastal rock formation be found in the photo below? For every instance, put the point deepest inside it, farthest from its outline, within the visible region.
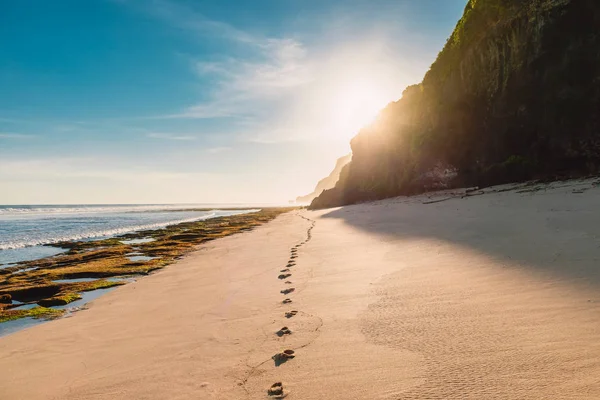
(328, 182)
(59, 300)
(513, 95)
(60, 279)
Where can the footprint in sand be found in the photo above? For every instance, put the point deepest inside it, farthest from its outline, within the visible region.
(288, 282)
(287, 291)
(290, 314)
(291, 264)
(284, 276)
(283, 331)
(287, 301)
(282, 357)
(285, 270)
(293, 256)
(276, 391)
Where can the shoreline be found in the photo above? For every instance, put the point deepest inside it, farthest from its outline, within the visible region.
(42, 244)
(494, 296)
(53, 282)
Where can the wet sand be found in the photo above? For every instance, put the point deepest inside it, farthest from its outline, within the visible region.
(492, 296)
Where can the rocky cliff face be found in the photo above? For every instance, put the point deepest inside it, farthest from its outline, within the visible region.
(327, 182)
(514, 95)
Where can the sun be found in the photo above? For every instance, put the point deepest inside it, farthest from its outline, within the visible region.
(354, 105)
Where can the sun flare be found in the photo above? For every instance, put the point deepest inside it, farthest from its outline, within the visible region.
(354, 105)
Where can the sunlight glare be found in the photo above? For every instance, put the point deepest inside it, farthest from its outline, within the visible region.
(355, 104)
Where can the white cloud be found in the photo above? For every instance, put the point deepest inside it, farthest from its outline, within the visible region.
(98, 180)
(280, 89)
(244, 88)
(168, 136)
(216, 150)
(287, 91)
(241, 86)
(65, 168)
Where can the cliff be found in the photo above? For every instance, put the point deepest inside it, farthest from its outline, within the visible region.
(513, 95)
(327, 182)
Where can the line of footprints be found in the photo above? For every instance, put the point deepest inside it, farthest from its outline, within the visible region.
(276, 391)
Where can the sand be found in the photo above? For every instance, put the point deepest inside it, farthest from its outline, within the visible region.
(492, 296)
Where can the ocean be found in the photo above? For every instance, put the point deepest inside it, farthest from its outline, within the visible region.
(25, 229)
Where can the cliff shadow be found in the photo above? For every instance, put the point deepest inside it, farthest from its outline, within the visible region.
(554, 232)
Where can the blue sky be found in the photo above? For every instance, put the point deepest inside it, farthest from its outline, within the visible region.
(160, 101)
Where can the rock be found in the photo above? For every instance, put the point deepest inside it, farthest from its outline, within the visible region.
(52, 301)
(484, 114)
(6, 299)
(59, 300)
(328, 182)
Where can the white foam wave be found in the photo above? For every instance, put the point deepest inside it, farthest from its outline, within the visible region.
(93, 209)
(56, 237)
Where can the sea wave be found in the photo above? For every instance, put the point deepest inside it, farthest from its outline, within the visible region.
(93, 209)
(50, 238)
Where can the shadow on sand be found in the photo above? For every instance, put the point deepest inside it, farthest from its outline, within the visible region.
(554, 232)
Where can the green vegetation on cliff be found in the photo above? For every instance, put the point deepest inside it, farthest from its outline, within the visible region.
(513, 95)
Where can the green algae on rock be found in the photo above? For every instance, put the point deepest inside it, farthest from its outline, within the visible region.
(35, 312)
(59, 300)
(45, 281)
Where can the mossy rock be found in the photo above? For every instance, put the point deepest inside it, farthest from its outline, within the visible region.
(107, 258)
(59, 300)
(33, 293)
(36, 312)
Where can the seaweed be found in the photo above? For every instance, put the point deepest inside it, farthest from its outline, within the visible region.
(108, 258)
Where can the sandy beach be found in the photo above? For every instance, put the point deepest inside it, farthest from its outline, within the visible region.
(490, 296)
